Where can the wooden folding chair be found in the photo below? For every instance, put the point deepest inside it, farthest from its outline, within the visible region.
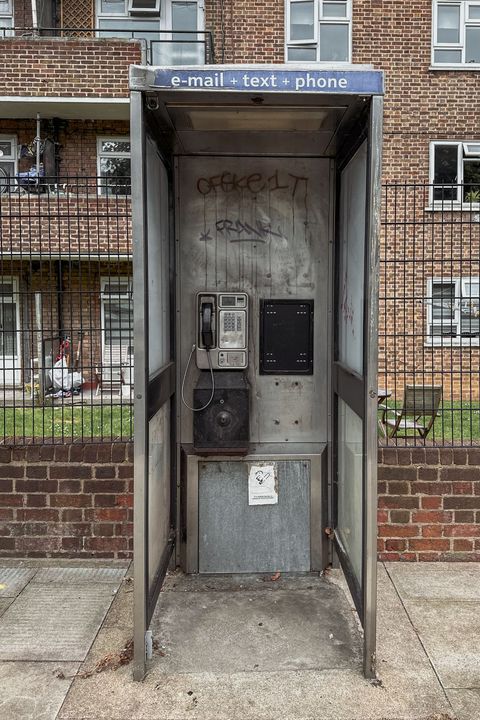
(417, 415)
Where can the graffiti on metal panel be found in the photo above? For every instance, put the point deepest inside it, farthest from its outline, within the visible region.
(236, 229)
(254, 183)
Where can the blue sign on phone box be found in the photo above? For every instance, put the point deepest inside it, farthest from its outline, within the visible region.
(366, 82)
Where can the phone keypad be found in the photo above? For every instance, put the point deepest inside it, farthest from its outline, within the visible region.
(229, 323)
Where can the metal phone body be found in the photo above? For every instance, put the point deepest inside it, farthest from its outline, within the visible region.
(227, 316)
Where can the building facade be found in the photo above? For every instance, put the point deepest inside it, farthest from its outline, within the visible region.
(65, 215)
(74, 74)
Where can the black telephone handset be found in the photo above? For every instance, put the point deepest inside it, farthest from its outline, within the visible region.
(206, 329)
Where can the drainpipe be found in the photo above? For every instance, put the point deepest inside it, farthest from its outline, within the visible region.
(34, 17)
(38, 144)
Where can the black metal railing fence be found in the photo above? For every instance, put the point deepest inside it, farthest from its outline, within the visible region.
(429, 317)
(66, 312)
(66, 309)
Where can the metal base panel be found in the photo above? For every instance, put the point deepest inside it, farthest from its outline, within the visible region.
(225, 534)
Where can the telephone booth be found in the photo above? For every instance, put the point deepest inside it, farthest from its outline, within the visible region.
(255, 194)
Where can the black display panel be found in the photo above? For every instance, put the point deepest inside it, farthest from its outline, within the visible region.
(286, 337)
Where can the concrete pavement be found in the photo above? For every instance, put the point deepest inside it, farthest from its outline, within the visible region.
(241, 648)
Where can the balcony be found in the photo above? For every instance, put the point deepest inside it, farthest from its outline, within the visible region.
(159, 47)
(47, 70)
(64, 217)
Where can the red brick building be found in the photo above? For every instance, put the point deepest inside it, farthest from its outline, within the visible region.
(66, 251)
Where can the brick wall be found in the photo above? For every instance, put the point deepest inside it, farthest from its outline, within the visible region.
(75, 220)
(429, 504)
(66, 500)
(68, 68)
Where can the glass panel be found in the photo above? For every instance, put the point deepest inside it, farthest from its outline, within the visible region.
(333, 9)
(471, 180)
(472, 45)
(5, 8)
(115, 146)
(445, 171)
(302, 53)
(302, 21)
(113, 7)
(158, 489)
(115, 174)
(8, 328)
(128, 27)
(350, 486)
(6, 148)
(450, 57)
(471, 148)
(184, 17)
(144, 5)
(159, 255)
(443, 301)
(474, 12)
(7, 171)
(448, 24)
(352, 261)
(333, 43)
(470, 308)
(118, 322)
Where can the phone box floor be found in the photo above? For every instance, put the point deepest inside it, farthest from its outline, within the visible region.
(211, 623)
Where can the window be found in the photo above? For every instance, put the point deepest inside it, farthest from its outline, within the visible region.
(455, 173)
(456, 33)
(144, 7)
(6, 17)
(167, 26)
(10, 367)
(453, 311)
(114, 165)
(319, 31)
(117, 320)
(8, 161)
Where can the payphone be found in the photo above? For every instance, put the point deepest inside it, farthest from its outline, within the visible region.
(222, 331)
(221, 402)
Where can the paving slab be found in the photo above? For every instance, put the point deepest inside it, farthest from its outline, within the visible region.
(439, 581)
(32, 690)
(466, 703)
(450, 633)
(79, 575)
(62, 562)
(14, 579)
(4, 604)
(409, 688)
(53, 622)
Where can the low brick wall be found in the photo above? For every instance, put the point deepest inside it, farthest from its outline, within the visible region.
(67, 500)
(429, 504)
(76, 500)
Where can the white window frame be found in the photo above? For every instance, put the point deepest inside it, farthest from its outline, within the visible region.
(446, 341)
(100, 154)
(318, 19)
(463, 152)
(105, 297)
(163, 18)
(464, 6)
(12, 363)
(11, 158)
(6, 19)
(164, 14)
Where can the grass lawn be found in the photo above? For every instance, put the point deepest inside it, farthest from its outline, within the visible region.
(67, 422)
(456, 421)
